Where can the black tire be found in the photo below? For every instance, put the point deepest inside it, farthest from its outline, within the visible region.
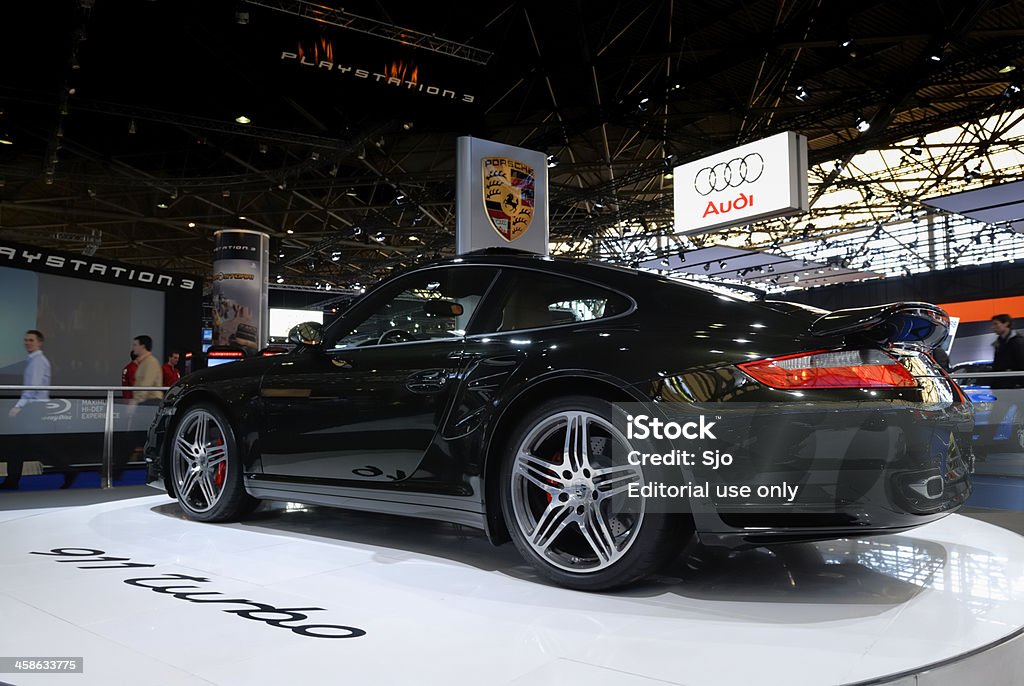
(599, 544)
(205, 468)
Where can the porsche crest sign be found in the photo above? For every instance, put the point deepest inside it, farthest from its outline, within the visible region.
(508, 187)
(502, 197)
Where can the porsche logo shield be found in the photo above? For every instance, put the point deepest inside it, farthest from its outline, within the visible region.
(508, 195)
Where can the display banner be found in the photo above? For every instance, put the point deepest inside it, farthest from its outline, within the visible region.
(767, 178)
(89, 309)
(241, 316)
(81, 266)
(501, 198)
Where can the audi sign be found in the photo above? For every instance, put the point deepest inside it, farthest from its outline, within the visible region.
(767, 178)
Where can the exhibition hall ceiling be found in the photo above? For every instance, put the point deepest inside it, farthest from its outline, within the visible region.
(126, 118)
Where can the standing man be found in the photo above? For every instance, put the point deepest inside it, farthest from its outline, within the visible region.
(170, 369)
(1009, 346)
(29, 409)
(148, 372)
(128, 376)
(1008, 354)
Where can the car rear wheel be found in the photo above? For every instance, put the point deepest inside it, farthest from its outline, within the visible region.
(206, 468)
(564, 487)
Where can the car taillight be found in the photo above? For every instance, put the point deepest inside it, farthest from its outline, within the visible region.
(831, 369)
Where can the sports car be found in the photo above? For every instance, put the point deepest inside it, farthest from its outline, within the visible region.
(535, 399)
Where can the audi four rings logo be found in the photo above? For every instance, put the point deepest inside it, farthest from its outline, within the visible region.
(731, 174)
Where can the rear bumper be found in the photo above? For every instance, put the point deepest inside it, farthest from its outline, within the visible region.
(884, 472)
(845, 468)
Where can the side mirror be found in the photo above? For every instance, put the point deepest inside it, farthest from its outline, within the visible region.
(306, 333)
(443, 308)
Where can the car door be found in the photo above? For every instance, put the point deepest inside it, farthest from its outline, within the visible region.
(366, 405)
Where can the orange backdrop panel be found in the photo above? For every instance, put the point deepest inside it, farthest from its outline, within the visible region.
(984, 310)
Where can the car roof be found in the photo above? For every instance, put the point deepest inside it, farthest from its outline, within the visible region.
(592, 270)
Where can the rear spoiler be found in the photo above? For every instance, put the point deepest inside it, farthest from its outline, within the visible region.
(919, 325)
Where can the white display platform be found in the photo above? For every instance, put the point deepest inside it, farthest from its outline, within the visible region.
(440, 605)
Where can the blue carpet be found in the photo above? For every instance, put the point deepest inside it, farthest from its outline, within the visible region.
(43, 482)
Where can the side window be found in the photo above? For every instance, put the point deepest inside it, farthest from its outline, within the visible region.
(536, 300)
(435, 304)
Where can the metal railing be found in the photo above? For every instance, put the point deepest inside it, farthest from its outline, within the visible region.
(107, 463)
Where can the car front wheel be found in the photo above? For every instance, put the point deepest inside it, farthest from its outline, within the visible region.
(565, 494)
(206, 468)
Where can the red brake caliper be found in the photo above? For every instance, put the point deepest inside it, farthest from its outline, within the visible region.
(222, 469)
(551, 481)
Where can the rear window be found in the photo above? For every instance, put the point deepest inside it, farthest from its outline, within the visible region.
(535, 300)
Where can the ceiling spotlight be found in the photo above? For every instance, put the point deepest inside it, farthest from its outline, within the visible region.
(552, 161)
(1011, 90)
(263, 148)
(838, 164)
(191, 225)
(846, 42)
(801, 94)
(289, 231)
(162, 205)
(280, 279)
(935, 56)
(242, 119)
(241, 217)
(669, 175)
(863, 124)
(917, 150)
(406, 126)
(707, 267)
(131, 126)
(721, 265)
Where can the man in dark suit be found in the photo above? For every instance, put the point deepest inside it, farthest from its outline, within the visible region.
(1008, 353)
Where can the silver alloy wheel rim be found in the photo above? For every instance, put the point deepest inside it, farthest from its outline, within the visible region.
(198, 453)
(579, 494)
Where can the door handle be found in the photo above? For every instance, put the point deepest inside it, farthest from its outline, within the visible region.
(427, 381)
(464, 355)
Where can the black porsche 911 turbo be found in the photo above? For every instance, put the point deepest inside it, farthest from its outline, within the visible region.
(505, 391)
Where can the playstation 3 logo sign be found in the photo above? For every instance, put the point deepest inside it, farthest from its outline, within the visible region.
(730, 174)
